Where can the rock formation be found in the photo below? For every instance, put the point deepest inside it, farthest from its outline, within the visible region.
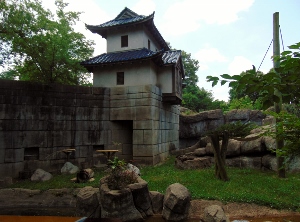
(176, 203)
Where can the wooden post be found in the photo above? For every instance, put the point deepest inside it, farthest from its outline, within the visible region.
(277, 106)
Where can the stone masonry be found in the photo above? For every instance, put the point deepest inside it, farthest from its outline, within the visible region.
(37, 122)
(155, 125)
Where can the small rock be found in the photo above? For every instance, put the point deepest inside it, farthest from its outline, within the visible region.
(41, 175)
(133, 168)
(214, 213)
(69, 168)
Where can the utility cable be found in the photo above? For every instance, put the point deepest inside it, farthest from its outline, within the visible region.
(281, 39)
(264, 56)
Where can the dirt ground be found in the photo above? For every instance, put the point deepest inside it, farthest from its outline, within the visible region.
(238, 210)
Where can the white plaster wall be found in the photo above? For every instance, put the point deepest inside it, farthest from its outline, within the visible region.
(137, 38)
(134, 74)
(164, 79)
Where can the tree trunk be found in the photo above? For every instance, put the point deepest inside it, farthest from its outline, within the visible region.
(220, 155)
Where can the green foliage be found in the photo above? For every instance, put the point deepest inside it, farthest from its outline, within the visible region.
(287, 128)
(42, 47)
(118, 176)
(245, 103)
(191, 66)
(284, 80)
(197, 99)
(234, 129)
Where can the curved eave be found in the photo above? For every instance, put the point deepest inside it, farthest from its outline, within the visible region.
(156, 59)
(103, 30)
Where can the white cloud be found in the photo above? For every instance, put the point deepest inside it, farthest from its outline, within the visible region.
(188, 15)
(239, 64)
(144, 7)
(209, 55)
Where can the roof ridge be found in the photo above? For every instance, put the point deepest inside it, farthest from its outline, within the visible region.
(126, 13)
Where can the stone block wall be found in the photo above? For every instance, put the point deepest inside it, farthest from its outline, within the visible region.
(154, 124)
(37, 122)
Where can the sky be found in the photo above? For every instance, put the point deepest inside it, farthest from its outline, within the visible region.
(225, 36)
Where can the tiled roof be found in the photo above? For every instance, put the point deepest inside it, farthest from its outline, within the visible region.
(168, 57)
(123, 21)
(128, 17)
(116, 57)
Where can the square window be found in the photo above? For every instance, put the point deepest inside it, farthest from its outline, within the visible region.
(124, 41)
(120, 78)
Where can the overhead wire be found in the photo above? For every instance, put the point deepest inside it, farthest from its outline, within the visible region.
(265, 55)
(281, 38)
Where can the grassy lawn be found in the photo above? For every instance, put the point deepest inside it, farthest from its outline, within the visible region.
(245, 185)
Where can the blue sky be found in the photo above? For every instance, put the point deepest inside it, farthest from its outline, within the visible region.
(225, 36)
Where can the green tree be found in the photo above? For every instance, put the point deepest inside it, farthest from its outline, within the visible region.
(219, 139)
(283, 81)
(191, 67)
(40, 46)
(197, 99)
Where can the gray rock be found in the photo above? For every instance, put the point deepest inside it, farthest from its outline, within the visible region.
(118, 204)
(269, 142)
(133, 168)
(214, 213)
(269, 162)
(234, 148)
(200, 152)
(141, 197)
(252, 146)
(41, 175)
(87, 202)
(294, 164)
(176, 203)
(193, 162)
(157, 200)
(69, 168)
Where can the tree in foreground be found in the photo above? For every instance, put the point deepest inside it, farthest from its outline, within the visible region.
(219, 139)
(39, 46)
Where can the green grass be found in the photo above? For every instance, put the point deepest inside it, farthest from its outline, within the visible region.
(245, 185)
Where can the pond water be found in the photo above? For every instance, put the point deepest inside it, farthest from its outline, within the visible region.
(6, 218)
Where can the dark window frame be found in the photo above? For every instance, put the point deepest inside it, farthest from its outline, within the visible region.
(124, 41)
(120, 78)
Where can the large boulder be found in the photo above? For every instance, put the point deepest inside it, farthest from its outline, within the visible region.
(69, 168)
(41, 175)
(252, 146)
(87, 202)
(176, 203)
(193, 162)
(214, 213)
(233, 148)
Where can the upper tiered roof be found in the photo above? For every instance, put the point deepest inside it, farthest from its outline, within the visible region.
(128, 17)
